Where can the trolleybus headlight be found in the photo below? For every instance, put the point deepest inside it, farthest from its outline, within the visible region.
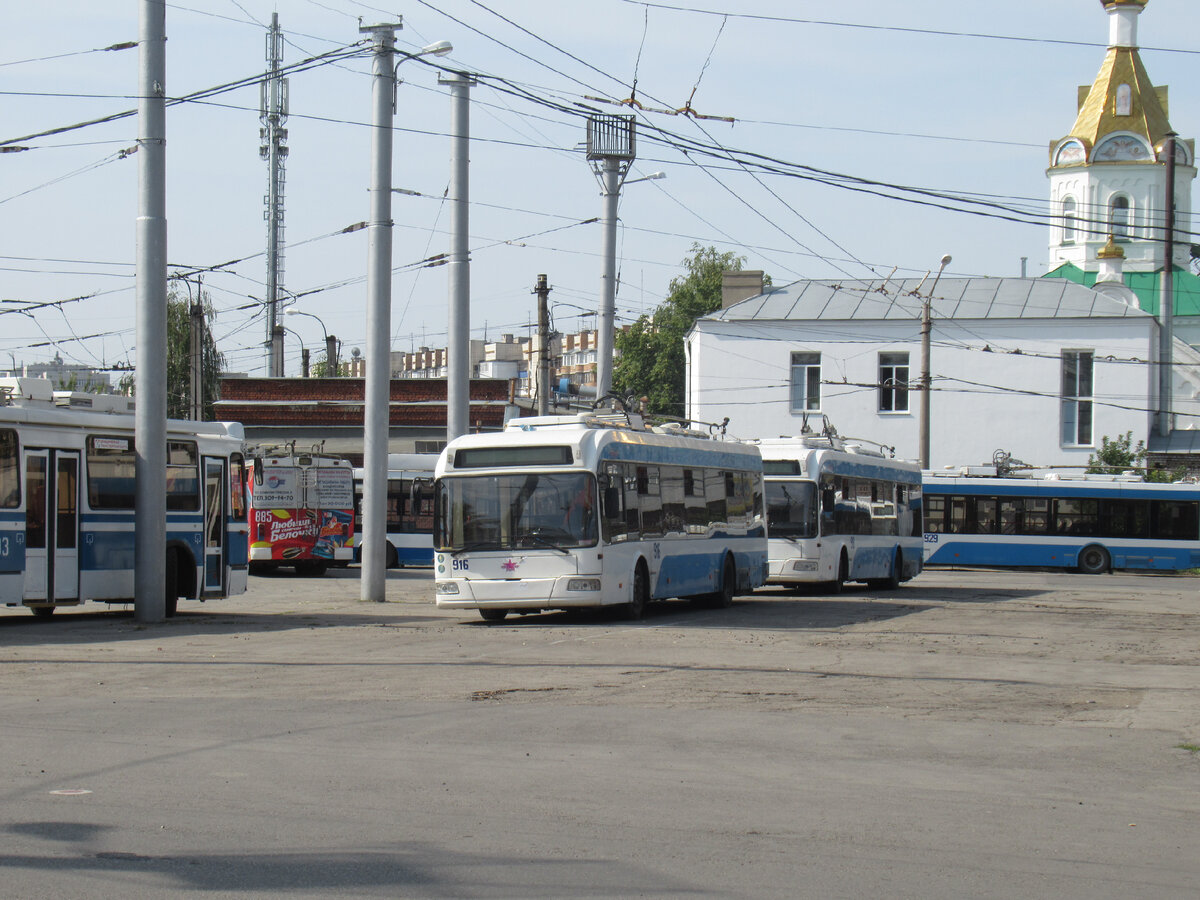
(805, 565)
(583, 584)
(445, 587)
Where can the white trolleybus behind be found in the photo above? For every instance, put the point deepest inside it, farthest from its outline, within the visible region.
(838, 511)
(409, 510)
(67, 519)
(593, 510)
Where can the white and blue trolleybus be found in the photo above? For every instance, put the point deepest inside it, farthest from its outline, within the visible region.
(840, 511)
(67, 519)
(409, 510)
(1090, 523)
(559, 512)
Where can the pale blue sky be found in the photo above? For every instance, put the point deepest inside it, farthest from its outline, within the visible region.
(914, 94)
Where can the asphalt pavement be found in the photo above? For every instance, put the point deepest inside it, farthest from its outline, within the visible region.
(971, 734)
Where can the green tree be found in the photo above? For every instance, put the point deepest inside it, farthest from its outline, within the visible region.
(179, 359)
(1120, 455)
(651, 361)
(320, 368)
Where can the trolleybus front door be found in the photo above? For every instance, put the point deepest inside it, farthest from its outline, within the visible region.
(215, 490)
(51, 526)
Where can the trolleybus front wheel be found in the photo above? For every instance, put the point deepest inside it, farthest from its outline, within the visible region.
(1094, 560)
(639, 593)
(493, 615)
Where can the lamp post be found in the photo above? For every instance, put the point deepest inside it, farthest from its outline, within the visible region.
(331, 353)
(377, 383)
(926, 328)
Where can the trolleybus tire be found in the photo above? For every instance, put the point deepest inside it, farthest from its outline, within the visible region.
(839, 583)
(493, 615)
(894, 574)
(723, 599)
(1094, 560)
(639, 593)
(171, 587)
(392, 558)
(42, 612)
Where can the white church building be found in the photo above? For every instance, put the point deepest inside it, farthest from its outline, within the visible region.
(1039, 368)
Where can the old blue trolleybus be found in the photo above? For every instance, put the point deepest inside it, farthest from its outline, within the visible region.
(67, 519)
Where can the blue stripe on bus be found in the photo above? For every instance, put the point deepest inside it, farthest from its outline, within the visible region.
(681, 456)
(412, 556)
(860, 469)
(994, 553)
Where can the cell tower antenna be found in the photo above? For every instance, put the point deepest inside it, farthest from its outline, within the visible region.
(273, 114)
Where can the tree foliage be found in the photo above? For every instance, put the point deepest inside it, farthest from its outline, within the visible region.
(179, 359)
(651, 361)
(1120, 455)
(322, 369)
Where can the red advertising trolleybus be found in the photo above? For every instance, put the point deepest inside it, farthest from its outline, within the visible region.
(301, 510)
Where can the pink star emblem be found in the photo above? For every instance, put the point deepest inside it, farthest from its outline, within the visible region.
(509, 566)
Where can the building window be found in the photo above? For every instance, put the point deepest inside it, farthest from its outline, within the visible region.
(1068, 220)
(1077, 398)
(1118, 217)
(806, 382)
(1124, 105)
(893, 382)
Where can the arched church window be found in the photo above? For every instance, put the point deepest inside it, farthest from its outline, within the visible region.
(1068, 220)
(1124, 100)
(1118, 217)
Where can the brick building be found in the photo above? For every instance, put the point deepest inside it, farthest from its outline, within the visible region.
(313, 411)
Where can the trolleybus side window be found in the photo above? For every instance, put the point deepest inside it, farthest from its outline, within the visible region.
(1175, 520)
(35, 514)
(10, 470)
(237, 485)
(66, 532)
(695, 510)
(183, 476)
(673, 521)
(110, 472)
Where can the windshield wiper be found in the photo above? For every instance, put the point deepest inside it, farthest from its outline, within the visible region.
(478, 545)
(547, 543)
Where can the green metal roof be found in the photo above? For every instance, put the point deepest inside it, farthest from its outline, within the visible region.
(1147, 286)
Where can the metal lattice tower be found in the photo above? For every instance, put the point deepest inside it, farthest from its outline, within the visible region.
(273, 113)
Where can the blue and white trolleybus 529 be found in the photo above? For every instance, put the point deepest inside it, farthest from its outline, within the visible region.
(595, 510)
(838, 511)
(1091, 523)
(67, 517)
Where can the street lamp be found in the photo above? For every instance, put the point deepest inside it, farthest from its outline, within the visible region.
(926, 327)
(331, 361)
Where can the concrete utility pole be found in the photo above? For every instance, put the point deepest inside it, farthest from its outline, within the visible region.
(331, 357)
(926, 378)
(543, 370)
(377, 380)
(150, 379)
(377, 399)
(196, 336)
(458, 363)
(610, 148)
(1166, 313)
(273, 113)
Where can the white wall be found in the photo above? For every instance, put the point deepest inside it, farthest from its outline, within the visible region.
(981, 401)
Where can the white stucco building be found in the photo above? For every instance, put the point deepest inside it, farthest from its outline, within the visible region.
(1038, 368)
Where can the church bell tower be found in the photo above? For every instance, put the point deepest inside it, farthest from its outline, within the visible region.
(1108, 176)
